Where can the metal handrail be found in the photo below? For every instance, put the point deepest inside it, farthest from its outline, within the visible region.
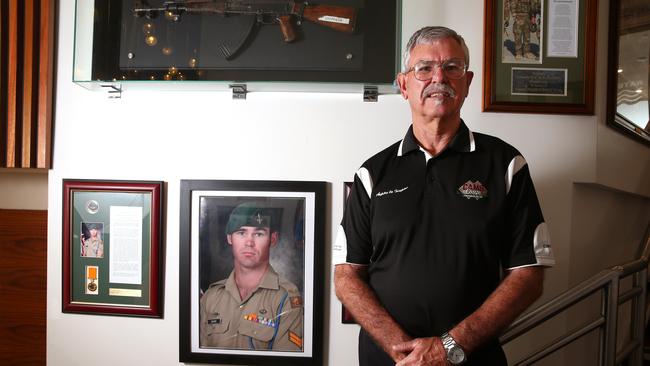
(607, 283)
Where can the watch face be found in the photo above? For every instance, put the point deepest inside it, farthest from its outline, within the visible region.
(456, 355)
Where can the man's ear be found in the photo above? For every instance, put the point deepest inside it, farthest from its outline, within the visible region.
(470, 76)
(401, 83)
(274, 238)
(229, 239)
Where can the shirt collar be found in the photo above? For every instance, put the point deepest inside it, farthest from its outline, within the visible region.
(463, 141)
(270, 280)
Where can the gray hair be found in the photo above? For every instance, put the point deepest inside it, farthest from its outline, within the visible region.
(428, 35)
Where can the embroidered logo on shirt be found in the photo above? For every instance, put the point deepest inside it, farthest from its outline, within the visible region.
(474, 190)
(391, 191)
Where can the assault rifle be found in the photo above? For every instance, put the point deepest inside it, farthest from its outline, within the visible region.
(284, 12)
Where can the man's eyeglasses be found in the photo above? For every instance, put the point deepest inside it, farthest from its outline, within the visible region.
(453, 69)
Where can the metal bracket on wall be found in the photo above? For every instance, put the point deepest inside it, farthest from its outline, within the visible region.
(370, 93)
(238, 91)
(114, 90)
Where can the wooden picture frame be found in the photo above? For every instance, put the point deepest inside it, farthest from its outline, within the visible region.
(112, 247)
(296, 213)
(541, 60)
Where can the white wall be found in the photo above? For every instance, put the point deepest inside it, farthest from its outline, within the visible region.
(156, 135)
(23, 189)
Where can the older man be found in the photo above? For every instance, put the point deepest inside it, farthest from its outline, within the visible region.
(443, 242)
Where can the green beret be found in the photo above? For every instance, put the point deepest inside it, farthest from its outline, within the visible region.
(252, 214)
(91, 226)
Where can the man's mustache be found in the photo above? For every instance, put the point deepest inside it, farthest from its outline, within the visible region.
(438, 88)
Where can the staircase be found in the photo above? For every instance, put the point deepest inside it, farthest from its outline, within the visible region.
(636, 350)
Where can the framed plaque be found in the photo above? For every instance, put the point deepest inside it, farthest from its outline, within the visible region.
(539, 56)
(112, 247)
(268, 231)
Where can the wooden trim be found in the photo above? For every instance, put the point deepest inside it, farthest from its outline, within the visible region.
(28, 54)
(26, 83)
(45, 83)
(12, 69)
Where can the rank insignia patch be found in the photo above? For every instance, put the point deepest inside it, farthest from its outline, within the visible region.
(295, 339)
(474, 190)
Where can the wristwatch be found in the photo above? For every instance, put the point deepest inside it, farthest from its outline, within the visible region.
(455, 353)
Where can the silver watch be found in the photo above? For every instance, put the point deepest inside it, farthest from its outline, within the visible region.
(455, 353)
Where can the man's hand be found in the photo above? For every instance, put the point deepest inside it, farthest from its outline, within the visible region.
(422, 352)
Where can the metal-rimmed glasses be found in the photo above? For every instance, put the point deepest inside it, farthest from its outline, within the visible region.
(453, 69)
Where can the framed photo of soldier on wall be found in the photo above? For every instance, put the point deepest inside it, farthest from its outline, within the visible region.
(251, 255)
(539, 56)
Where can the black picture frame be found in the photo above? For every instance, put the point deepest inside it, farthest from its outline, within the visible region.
(627, 17)
(346, 316)
(204, 208)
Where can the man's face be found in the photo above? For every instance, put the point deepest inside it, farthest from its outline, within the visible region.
(251, 246)
(448, 94)
(93, 232)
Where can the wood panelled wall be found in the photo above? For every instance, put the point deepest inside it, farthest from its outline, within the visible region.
(23, 287)
(26, 80)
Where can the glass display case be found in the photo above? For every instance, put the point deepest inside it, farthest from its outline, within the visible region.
(264, 45)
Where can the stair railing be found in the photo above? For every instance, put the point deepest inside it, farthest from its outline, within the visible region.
(606, 283)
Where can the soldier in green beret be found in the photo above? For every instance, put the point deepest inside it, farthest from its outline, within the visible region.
(254, 308)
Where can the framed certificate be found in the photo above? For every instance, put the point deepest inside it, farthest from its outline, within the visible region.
(539, 56)
(251, 272)
(112, 247)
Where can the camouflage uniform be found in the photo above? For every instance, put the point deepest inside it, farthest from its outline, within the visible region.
(271, 318)
(522, 11)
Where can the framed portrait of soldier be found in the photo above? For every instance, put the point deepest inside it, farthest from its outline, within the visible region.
(250, 253)
(539, 56)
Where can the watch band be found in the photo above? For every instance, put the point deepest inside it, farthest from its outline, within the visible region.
(455, 353)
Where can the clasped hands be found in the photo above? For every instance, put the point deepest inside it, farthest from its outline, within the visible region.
(420, 352)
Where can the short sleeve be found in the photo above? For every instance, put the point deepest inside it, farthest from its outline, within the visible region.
(527, 241)
(353, 240)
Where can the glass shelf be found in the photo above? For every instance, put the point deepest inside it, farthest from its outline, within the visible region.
(175, 45)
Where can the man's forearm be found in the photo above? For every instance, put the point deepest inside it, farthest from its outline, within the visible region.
(516, 293)
(354, 292)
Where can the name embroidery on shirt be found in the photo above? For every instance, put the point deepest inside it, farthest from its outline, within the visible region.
(474, 190)
(391, 191)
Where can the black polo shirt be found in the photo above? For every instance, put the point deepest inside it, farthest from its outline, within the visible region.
(436, 232)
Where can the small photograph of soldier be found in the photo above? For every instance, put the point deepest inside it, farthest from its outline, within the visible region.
(92, 244)
(522, 29)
